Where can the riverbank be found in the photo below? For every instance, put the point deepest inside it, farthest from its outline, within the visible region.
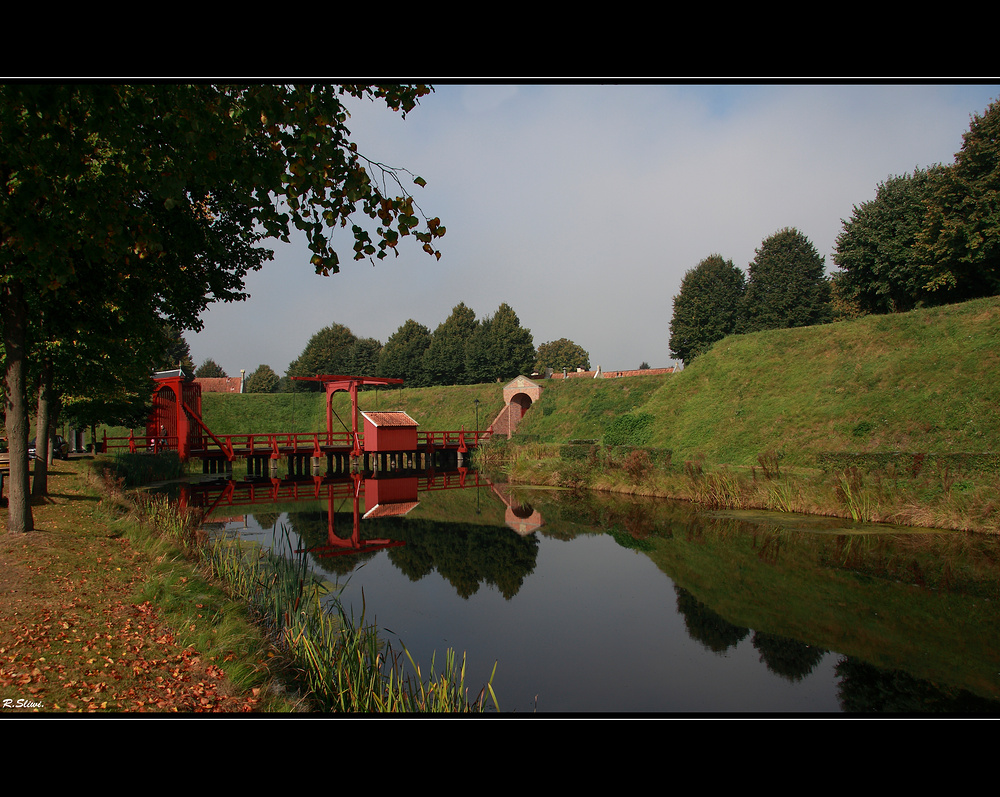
(924, 492)
(104, 615)
(115, 604)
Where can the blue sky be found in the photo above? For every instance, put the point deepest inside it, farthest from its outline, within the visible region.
(583, 205)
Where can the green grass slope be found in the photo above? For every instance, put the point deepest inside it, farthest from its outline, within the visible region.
(435, 409)
(924, 381)
(918, 382)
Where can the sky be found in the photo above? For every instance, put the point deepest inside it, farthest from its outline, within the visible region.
(582, 205)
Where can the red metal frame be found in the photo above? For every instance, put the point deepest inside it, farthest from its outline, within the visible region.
(177, 410)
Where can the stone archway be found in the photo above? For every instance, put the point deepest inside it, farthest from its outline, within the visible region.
(518, 395)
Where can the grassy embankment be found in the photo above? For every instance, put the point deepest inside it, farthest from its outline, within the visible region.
(435, 409)
(887, 418)
(114, 603)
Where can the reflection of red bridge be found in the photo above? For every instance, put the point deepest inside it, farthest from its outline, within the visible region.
(384, 496)
(175, 423)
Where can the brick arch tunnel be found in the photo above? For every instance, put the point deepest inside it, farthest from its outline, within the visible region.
(518, 396)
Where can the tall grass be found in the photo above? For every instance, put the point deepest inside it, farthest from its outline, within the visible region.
(342, 662)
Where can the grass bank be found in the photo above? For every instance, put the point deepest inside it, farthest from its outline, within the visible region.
(106, 613)
(435, 409)
(887, 418)
(113, 604)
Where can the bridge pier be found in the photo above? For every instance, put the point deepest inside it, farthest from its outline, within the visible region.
(211, 465)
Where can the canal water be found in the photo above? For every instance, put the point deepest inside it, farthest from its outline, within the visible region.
(597, 604)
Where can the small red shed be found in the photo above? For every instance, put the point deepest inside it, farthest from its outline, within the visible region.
(389, 431)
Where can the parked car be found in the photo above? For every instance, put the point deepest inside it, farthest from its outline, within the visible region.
(60, 448)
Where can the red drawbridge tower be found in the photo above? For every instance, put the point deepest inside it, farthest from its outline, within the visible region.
(350, 384)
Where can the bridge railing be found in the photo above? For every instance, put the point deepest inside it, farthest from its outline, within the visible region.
(452, 439)
(279, 443)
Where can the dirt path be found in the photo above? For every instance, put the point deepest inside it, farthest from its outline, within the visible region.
(74, 637)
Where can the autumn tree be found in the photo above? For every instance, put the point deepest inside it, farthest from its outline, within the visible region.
(560, 354)
(707, 308)
(786, 285)
(166, 192)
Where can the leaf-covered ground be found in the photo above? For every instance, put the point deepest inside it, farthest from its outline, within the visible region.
(76, 638)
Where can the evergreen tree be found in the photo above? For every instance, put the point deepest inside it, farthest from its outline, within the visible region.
(363, 357)
(500, 348)
(787, 286)
(210, 369)
(707, 307)
(403, 354)
(176, 352)
(444, 360)
(881, 268)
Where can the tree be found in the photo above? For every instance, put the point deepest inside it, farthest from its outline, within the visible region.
(960, 239)
(363, 357)
(444, 360)
(707, 307)
(881, 269)
(262, 380)
(559, 354)
(403, 354)
(165, 192)
(500, 348)
(786, 286)
(327, 352)
(210, 369)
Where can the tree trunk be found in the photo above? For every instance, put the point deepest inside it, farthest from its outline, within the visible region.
(14, 319)
(43, 432)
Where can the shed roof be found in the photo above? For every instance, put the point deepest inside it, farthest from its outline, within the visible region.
(393, 418)
(391, 509)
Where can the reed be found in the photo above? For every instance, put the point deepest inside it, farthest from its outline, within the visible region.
(859, 500)
(343, 663)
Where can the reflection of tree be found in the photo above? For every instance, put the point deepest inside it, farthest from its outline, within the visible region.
(465, 554)
(786, 657)
(864, 688)
(265, 520)
(313, 529)
(706, 626)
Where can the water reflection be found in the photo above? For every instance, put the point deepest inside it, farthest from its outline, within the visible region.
(593, 603)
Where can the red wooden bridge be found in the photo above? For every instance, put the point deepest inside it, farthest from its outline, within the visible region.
(175, 424)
